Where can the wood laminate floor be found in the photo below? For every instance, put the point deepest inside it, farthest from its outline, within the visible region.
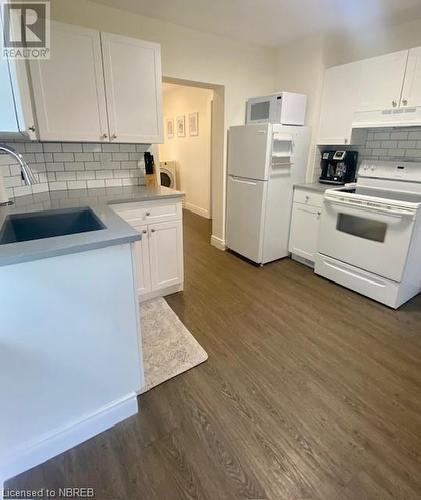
(311, 392)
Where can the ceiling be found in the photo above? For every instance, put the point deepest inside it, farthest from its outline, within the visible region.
(273, 22)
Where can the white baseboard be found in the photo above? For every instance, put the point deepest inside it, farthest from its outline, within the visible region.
(63, 439)
(302, 260)
(203, 212)
(162, 292)
(218, 243)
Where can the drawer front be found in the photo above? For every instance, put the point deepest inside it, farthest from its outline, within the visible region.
(150, 212)
(308, 197)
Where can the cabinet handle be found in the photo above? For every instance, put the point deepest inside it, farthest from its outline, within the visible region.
(144, 231)
(404, 102)
(104, 136)
(32, 129)
(113, 136)
(152, 230)
(148, 214)
(394, 104)
(345, 141)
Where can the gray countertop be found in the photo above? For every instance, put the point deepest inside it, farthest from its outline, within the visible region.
(116, 231)
(314, 186)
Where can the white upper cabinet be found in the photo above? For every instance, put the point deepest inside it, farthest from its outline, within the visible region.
(8, 119)
(380, 81)
(411, 92)
(16, 118)
(132, 70)
(98, 87)
(339, 99)
(69, 91)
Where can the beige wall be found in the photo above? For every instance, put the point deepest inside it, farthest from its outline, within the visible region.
(242, 70)
(191, 154)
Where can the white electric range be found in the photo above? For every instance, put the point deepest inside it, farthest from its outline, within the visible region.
(370, 233)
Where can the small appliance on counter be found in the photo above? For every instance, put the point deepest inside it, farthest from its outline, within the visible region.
(338, 167)
(150, 177)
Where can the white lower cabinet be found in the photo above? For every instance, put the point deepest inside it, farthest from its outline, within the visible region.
(165, 253)
(158, 256)
(305, 224)
(141, 262)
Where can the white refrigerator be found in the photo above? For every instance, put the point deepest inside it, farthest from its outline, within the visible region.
(264, 163)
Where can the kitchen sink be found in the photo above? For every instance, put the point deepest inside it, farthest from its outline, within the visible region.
(48, 224)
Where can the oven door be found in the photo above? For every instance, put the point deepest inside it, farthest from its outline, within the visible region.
(373, 239)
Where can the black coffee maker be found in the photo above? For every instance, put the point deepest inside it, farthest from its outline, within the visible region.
(338, 167)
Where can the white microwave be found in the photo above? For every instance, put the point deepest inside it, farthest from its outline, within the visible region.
(284, 108)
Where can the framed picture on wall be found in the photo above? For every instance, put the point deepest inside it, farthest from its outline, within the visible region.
(194, 124)
(181, 126)
(170, 128)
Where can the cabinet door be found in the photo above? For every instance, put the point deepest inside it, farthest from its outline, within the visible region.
(339, 100)
(8, 118)
(69, 89)
(142, 261)
(20, 84)
(166, 254)
(411, 93)
(132, 70)
(304, 231)
(381, 80)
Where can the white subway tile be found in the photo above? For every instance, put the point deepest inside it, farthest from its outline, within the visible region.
(74, 165)
(120, 174)
(103, 174)
(129, 164)
(413, 153)
(33, 147)
(39, 188)
(113, 182)
(22, 190)
(397, 153)
(84, 176)
(4, 170)
(407, 144)
(55, 166)
(96, 183)
(51, 176)
(141, 148)
(84, 156)
(58, 186)
(136, 156)
(63, 157)
(400, 136)
(52, 147)
(415, 134)
(93, 165)
(72, 147)
(76, 185)
(127, 148)
(110, 148)
(15, 170)
(14, 181)
(91, 147)
(120, 156)
(381, 136)
(66, 176)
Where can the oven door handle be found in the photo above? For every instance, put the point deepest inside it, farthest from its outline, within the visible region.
(398, 213)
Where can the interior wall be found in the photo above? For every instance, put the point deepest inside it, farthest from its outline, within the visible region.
(238, 70)
(192, 154)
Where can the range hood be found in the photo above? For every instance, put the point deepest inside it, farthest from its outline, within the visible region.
(395, 117)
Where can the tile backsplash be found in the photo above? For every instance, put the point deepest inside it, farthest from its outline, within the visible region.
(74, 165)
(393, 143)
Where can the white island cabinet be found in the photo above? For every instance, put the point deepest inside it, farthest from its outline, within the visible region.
(159, 255)
(305, 222)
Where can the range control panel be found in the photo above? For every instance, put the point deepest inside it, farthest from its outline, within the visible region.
(407, 171)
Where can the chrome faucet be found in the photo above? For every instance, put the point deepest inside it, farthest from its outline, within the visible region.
(27, 175)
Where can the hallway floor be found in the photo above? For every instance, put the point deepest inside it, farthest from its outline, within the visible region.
(311, 392)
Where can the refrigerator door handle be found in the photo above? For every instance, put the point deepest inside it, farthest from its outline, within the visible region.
(243, 181)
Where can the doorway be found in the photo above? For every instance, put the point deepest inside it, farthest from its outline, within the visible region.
(191, 157)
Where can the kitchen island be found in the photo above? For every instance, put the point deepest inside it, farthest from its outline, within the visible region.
(70, 350)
